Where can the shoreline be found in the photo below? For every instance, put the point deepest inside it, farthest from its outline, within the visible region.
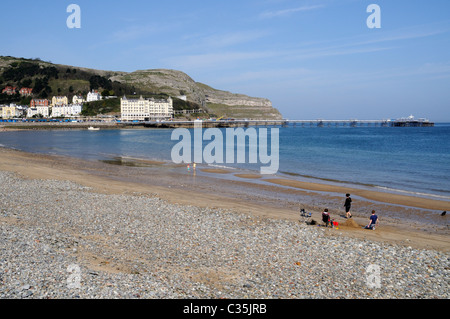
(400, 196)
(245, 194)
(284, 179)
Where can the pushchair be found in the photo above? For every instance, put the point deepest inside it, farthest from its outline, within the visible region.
(306, 217)
(303, 213)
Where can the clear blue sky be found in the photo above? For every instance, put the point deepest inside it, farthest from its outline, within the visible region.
(311, 58)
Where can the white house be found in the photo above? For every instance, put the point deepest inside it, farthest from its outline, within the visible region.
(21, 109)
(78, 99)
(66, 110)
(43, 110)
(93, 96)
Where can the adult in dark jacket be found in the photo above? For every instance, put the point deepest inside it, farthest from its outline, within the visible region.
(348, 205)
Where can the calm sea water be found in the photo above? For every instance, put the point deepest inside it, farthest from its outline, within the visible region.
(407, 160)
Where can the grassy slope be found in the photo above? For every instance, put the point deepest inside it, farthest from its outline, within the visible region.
(242, 111)
(71, 84)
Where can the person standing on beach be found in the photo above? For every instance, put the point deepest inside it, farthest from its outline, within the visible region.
(347, 205)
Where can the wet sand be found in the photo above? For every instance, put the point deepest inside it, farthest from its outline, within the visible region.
(371, 195)
(404, 220)
(215, 170)
(248, 175)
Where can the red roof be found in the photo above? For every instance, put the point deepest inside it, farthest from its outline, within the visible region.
(26, 90)
(9, 89)
(36, 102)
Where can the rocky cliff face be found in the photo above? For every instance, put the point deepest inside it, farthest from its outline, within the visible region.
(171, 82)
(223, 97)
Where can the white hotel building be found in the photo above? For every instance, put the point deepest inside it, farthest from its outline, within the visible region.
(66, 110)
(43, 110)
(146, 109)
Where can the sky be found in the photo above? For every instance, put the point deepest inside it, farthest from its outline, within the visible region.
(312, 58)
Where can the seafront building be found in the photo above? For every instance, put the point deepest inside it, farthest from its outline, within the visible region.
(38, 110)
(60, 100)
(146, 109)
(66, 110)
(10, 111)
(38, 107)
(21, 110)
(39, 102)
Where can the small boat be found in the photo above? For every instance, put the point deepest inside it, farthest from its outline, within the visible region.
(91, 128)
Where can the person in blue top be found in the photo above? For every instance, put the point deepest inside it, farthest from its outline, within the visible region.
(373, 221)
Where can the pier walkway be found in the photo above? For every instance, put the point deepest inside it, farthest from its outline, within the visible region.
(19, 124)
(285, 122)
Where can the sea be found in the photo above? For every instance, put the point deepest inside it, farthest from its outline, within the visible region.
(406, 160)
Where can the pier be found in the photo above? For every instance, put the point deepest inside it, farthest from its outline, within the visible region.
(351, 123)
(286, 122)
(209, 123)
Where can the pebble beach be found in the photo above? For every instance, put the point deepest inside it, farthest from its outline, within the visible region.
(63, 240)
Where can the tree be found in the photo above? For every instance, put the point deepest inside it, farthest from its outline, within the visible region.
(97, 82)
(27, 82)
(25, 100)
(43, 95)
(39, 85)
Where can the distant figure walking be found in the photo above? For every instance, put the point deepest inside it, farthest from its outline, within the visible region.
(194, 165)
(373, 221)
(348, 205)
(326, 217)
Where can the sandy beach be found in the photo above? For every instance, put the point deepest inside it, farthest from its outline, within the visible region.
(398, 213)
(212, 202)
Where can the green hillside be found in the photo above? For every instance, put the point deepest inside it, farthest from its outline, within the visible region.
(48, 80)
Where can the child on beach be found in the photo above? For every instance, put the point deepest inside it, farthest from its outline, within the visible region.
(347, 205)
(326, 218)
(373, 221)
